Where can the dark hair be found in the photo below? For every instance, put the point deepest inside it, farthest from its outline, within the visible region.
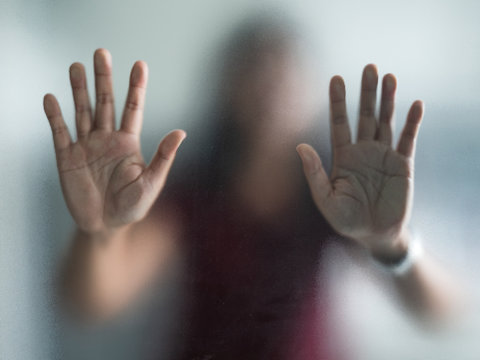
(242, 49)
(215, 154)
(252, 39)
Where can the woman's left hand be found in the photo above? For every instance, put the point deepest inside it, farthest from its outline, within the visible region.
(368, 196)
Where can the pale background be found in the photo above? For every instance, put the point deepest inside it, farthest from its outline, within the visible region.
(432, 46)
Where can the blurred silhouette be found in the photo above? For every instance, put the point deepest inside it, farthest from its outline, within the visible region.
(238, 222)
(253, 233)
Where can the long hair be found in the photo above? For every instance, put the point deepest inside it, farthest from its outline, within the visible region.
(224, 140)
(218, 143)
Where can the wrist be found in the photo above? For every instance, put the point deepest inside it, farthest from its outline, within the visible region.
(402, 264)
(103, 234)
(390, 250)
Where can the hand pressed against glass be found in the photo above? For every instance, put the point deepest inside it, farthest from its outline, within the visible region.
(368, 196)
(104, 178)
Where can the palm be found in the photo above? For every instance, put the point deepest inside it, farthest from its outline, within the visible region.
(107, 167)
(369, 192)
(372, 189)
(105, 181)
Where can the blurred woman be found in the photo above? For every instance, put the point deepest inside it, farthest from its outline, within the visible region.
(240, 220)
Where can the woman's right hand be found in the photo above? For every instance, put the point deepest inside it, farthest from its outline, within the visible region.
(105, 181)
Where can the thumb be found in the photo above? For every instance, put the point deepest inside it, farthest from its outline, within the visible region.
(317, 178)
(156, 173)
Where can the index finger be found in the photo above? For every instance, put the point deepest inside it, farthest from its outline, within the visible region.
(339, 127)
(133, 112)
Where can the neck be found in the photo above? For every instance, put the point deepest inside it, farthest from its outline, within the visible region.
(267, 178)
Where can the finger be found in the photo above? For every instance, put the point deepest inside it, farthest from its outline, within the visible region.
(156, 173)
(367, 125)
(61, 137)
(340, 130)
(104, 110)
(133, 112)
(83, 110)
(385, 125)
(317, 178)
(406, 144)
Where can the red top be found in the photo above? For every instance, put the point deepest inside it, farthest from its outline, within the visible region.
(254, 290)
